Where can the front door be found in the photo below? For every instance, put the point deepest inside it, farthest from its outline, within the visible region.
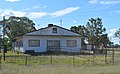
(53, 45)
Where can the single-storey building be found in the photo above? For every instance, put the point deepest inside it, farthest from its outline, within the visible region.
(51, 38)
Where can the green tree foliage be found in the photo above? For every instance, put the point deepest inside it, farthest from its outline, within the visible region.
(117, 33)
(80, 30)
(8, 43)
(94, 31)
(16, 26)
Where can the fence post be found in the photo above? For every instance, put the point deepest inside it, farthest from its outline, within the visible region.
(0, 59)
(51, 59)
(26, 60)
(113, 55)
(73, 60)
(93, 56)
(105, 56)
(0, 63)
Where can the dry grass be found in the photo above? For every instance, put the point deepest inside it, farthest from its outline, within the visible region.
(63, 65)
(59, 69)
(11, 53)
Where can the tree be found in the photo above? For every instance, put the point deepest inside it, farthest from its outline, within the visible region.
(8, 43)
(16, 26)
(117, 33)
(80, 30)
(104, 39)
(94, 31)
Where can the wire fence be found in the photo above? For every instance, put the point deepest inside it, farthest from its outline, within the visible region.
(108, 56)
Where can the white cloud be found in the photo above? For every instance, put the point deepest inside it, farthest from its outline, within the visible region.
(45, 6)
(112, 36)
(64, 11)
(9, 13)
(12, 0)
(114, 12)
(35, 7)
(104, 2)
(37, 14)
(26, 9)
(19, 13)
(74, 21)
(93, 1)
(112, 32)
(109, 2)
(118, 11)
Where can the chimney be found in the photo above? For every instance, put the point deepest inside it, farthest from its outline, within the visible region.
(50, 25)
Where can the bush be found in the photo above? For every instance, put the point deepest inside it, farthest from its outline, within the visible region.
(18, 52)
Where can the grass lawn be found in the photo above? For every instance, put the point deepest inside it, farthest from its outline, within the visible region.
(59, 64)
(10, 53)
(59, 69)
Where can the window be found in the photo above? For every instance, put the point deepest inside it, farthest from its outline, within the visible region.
(53, 43)
(71, 43)
(19, 44)
(34, 43)
(54, 30)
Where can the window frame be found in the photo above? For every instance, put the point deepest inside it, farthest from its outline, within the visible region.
(71, 45)
(53, 43)
(54, 30)
(33, 45)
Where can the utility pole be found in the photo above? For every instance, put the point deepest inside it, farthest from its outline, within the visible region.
(0, 37)
(3, 37)
(61, 22)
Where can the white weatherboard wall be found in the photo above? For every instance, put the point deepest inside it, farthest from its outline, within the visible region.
(45, 34)
(43, 43)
